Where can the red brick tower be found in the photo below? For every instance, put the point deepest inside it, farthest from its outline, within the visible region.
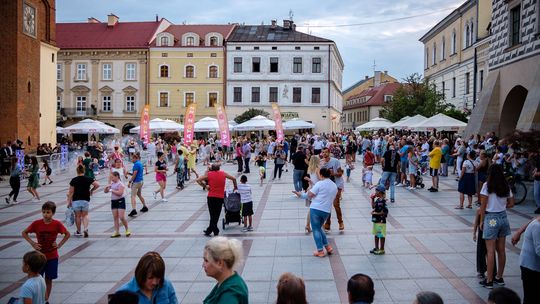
(25, 25)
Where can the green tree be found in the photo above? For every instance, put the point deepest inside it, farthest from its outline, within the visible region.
(418, 96)
(249, 114)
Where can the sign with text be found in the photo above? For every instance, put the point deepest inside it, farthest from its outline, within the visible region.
(289, 115)
(189, 124)
(144, 130)
(279, 123)
(223, 125)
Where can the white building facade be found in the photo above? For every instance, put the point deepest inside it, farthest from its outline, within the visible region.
(302, 73)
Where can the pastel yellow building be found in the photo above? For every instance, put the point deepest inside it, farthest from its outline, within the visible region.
(187, 65)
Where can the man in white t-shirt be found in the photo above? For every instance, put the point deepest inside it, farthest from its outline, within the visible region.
(336, 175)
(318, 145)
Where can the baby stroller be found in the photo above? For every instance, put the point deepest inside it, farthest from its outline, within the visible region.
(418, 178)
(232, 207)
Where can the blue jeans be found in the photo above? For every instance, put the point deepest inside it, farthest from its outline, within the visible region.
(297, 179)
(537, 193)
(392, 176)
(317, 219)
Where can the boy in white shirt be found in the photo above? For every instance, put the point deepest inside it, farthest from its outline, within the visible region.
(247, 203)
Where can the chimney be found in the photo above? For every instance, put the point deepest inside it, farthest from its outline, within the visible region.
(157, 18)
(286, 24)
(366, 77)
(93, 20)
(112, 19)
(273, 24)
(385, 72)
(377, 79)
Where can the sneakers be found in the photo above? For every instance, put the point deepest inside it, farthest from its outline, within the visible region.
(78, 233)
(85, 233)
(341, 227)
(143, 209)
(486, 284)
(7, 200)
(128, 233)
(245, 229)
(379, 252)
(433, 189)
(410, 188)
(36, 200)
(133, 213)
(115, 235)
(373, 250)
(164, 200)
(399, 185)
(154, 194)
(499, 282)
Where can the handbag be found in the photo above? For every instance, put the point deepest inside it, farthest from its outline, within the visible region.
(69, 219)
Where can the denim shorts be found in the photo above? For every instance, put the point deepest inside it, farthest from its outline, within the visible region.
(80, 206)
(496, 226)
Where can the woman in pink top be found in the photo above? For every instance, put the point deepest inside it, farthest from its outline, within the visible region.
(118, 203)
(239, 157)
(214, 182)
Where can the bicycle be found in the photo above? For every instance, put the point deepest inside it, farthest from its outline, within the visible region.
(519, 189)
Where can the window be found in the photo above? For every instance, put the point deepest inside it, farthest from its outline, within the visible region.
(315, 95)
(454, 87)
(106, 103)
(163, 99)
(212, 99)
(316, 48)
(255, 94)
(297, 48)
(130, 103)
(297, 95)
(131, 69)
(316, 65)
(274, 62)
(52, 58)
(238, 64)
(237, 94)
(107, 71)
(58, 71)
(81, 71)
(472, 33)
(255, 47)
(388, 98)
(213, 41)
(443, 89)
(213, 71)
(273, 94)
(256, 64)
(297, 65)
(274, 48)
(453, 44)
(427, 58)
(238, 48)
(189, 54)
(434, 55)
(189, 98)
(190, 41)
(213, 54)
(164, 71)
(515, 25)
(467, 82)
(164, 41)
(443, 49)
(58, 103)
(164, 55)
(80, 105)
(466, 37)
(481, 79)
(190, 71)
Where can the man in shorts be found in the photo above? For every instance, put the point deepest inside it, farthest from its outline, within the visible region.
(136, 183)
(435, 157)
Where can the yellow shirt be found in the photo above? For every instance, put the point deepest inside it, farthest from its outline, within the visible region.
(435, 158)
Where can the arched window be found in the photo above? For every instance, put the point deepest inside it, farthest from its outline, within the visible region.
(453, 46)
(164, 41)
(190, 41)
(190, 71)
(443, 48)
(434, 55)
(164, 71)
(214, 41)
(472, 33)
(213, 71)
(466, 36)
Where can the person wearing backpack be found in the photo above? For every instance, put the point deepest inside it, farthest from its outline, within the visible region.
(389, 164)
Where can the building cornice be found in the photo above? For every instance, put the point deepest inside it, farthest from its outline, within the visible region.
(453, 16)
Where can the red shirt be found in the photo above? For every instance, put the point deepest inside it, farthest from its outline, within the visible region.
(46, 235)
(369, 158)
(216, 182)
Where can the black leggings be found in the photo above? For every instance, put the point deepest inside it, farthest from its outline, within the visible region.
(214, 208)
(240, 162)
(278, 168)
(15, 183)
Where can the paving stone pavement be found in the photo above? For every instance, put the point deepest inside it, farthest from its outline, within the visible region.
(429, 244)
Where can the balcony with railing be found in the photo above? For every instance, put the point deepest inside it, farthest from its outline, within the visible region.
(78, 112)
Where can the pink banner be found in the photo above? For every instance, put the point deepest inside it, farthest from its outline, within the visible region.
(223, 125)
(144, 130)
(189, 123)
(276, 114)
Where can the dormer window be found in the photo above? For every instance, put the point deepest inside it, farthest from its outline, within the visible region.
(190, 41)
(213, 41)
(388, 98)
(164, 41)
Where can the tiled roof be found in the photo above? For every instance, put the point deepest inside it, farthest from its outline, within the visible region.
(376, 93)
(269, 33)
(200, 29)
(100, 36)
(355, 85)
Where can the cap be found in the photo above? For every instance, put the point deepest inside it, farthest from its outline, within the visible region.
(380, 188)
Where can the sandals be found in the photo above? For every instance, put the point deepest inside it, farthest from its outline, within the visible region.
(329, 249)
(308, 229)
(319, 254)
(469, 207)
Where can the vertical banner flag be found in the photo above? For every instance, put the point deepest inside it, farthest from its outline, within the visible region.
(144, 130)
(276, 114)
(63, 157)
(223, 126)
(189, 124)
(20, 157)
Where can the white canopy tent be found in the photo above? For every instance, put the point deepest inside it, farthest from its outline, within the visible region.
(297, 124)
(89, 126)
(440, 122)
(158, 125)
(404, 124)
(256, 123)
(209, 124)
(59, 130)
(375, 124)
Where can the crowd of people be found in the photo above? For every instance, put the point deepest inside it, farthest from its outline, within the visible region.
(480, 165)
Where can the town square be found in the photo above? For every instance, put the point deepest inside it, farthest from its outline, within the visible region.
(270, 153)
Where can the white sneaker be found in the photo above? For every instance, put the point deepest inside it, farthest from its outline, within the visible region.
(411, 188)
(154, 194)
(164, 200)
(399, 185)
